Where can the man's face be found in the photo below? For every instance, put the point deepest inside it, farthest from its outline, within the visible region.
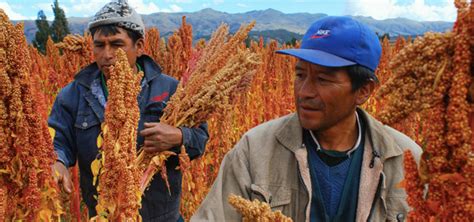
(323, 96)
(105, 48)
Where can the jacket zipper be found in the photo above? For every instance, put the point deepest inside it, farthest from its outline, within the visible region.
(372, 161)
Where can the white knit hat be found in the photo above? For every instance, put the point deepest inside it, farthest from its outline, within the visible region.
(121, 14)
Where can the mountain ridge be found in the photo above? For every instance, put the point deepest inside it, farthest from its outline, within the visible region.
(207, 20)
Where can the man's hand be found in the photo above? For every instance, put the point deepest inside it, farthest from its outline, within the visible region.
(61, 176)
(161, 137)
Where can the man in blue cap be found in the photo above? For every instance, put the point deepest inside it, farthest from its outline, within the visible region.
(79, 110)
(331, 160)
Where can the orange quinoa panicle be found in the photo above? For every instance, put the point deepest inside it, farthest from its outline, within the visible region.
(26, 147)
(256, 211)
(432, 76)
(119, 198)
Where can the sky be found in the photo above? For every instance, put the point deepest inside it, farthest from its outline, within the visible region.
(419, 10)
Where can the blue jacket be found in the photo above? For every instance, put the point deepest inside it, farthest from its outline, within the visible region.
(76, 116)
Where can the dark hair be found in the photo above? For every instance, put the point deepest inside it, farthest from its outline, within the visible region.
(112, 29)
(360, 76)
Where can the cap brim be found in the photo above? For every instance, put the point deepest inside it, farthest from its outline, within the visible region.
(317, 57)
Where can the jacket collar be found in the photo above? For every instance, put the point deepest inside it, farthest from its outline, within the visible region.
(91, 72)
(381, 140)
(290, 135)
(87, 75)
(150, 67)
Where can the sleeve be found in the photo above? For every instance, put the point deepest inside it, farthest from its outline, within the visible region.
(233, 178)
(62, 121)
(195, 139)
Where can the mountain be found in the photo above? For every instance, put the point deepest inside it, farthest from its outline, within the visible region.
(272, 23)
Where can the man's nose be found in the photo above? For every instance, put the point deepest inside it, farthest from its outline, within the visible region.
(308, 89)
(109, 53)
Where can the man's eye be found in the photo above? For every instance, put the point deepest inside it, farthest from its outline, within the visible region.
(324, 80)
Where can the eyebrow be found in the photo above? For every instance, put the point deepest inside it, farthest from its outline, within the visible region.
(112, 42)
(327, 70)
(117, 41)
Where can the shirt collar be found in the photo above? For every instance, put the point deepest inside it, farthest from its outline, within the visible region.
(356, 145)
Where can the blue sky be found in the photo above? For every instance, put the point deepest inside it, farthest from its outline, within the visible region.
(421, 10)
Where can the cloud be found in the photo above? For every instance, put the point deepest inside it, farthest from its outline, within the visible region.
(11, 14)
(419, 10)
(87, 7)
(242, 5)
(90, 7)
(179, 1)
(175, 8)
(144, 8)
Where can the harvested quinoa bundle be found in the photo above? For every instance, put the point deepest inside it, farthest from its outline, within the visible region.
(215, 75)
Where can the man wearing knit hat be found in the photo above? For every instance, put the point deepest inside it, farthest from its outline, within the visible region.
(331, 160)
(78, 112)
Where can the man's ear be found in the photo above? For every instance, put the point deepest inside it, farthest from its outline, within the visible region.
(364, 92)
(140, 44)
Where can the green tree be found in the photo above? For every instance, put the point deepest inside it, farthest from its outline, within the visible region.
(248, 41)
(41, 36)
(292, 42)
(59, 28)
(386, 35)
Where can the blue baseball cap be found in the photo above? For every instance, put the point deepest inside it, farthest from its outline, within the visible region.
(337, 41)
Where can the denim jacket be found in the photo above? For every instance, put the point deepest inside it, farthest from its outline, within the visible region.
(76, 117)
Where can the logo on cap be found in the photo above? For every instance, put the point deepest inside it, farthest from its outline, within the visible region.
(321, 33)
